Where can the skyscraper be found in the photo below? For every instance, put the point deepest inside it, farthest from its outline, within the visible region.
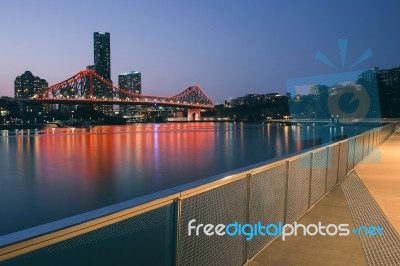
(102, 66)
(27, 85)
(102, 60)
(131, 82)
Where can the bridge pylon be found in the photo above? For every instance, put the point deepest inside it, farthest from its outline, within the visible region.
(193, 115)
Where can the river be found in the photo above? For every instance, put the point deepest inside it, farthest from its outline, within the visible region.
(55, 173)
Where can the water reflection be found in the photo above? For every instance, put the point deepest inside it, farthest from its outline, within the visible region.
(62, 172)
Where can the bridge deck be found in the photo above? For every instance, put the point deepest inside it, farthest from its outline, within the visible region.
(368, 196)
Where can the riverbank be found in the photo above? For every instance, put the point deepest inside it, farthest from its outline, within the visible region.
(21, 126)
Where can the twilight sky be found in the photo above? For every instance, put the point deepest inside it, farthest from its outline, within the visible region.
(229, 48)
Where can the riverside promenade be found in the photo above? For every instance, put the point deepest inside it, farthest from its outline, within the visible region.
(369, 196)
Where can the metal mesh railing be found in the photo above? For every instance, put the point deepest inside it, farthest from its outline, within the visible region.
(145, 239)
(268, 192)
(298, 187)
(351, 153)
(156, 232)
(333, 166)
(318, 175)
(358, 149)
(222, 205)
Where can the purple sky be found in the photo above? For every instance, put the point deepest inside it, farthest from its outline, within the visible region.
(229, 48)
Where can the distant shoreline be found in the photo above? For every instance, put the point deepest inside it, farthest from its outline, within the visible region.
(21, 126)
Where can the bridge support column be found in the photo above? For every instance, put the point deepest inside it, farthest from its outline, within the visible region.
(193, 115)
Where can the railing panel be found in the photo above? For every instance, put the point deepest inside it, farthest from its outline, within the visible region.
(365, 145)
(222, 205)
(380, 137)
(318, 176)
(332, 170)
(342, 167)
(298, 187)
(146, 239)
(350, 155)
(358, 150)
(371, 142)
(267, 203)
(374, 140)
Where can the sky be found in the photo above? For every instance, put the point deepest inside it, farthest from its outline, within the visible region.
(228, 48)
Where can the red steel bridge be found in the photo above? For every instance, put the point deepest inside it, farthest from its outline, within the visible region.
(86, 86)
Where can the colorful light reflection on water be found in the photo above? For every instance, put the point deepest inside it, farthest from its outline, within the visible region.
(57, 173)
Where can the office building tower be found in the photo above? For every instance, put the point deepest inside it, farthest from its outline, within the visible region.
(102, 66)
(27, 85)
(102, 55)
(388, 81)
(131, 82)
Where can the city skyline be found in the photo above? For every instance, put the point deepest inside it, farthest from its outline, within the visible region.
(229, 49)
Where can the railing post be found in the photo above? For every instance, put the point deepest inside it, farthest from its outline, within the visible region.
(338, 163)
(177, 231)
(326, 169)
(286, 191)
(310, 179)
(248, 212)
(362, 148)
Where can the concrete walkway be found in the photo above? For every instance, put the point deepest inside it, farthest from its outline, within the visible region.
(318, 250)
(380, 173)
(370, 195)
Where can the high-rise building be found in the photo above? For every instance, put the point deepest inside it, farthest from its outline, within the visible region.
(131, 82)
(102, 60)
(389, 91)
(102, 66)
(27, 85)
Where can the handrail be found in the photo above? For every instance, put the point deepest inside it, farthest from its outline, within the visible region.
(23, 241)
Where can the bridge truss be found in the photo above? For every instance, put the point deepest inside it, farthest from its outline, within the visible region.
(89, 87)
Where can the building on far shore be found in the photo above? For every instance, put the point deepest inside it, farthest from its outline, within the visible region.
(389, 91)
(252, 99)
(27, 85)
(102, 54)
(8, 107)
(131, 81)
